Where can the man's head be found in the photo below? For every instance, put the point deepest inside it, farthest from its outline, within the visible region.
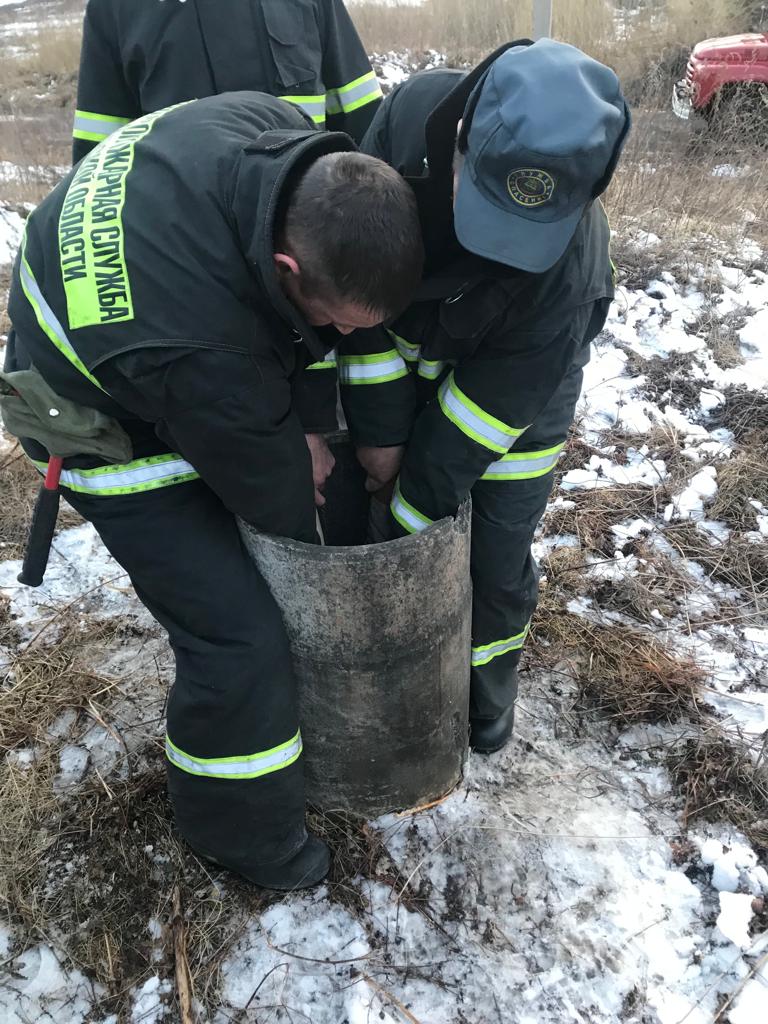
(541, 135)
(349, 250)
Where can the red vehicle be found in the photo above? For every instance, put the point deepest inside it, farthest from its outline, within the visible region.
(731, 68)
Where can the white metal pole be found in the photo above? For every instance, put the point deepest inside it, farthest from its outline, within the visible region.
(542, 18)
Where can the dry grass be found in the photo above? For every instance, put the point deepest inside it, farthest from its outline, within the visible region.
(630, 43)
(741, 480)
(19, 484)
(738, 562)
(622, 671)
(724, 782)
(745, 414)
(592, 513)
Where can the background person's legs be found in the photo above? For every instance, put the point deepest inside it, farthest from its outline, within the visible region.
(237, 786)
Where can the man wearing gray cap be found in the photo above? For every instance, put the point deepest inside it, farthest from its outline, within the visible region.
(474, 388)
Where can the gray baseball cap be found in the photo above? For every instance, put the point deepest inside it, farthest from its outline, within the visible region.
(542, 133)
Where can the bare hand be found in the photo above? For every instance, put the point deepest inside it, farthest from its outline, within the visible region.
(322, 464)
(382, 466)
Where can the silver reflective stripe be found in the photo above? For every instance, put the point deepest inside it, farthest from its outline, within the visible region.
(51, 321)
(250, 766)
(353, 95)
(521, 467)
(473, 421)
(409, 518)
(430, 369)
(486, 653)
(94, 126)
(407, 349)
(125, 477)
(313, 106)
(375, 368)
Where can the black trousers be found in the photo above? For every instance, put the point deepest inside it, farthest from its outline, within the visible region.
(505, 576)
(234, 773)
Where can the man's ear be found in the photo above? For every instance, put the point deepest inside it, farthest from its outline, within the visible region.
(285, 265)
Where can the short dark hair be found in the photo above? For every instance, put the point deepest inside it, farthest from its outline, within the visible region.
(353, 227)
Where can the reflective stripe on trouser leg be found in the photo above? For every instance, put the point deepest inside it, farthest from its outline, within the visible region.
(233, 705)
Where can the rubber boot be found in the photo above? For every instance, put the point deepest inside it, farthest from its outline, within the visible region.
(487, 735)
(304, 869)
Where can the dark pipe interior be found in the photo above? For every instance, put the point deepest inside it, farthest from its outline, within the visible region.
(344, 517)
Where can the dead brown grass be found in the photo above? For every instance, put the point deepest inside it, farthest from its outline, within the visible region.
(622, 671)
(721, 781)
(738, 562)
(741, 480)
(43, 681)
(745, 414)
(592, 514)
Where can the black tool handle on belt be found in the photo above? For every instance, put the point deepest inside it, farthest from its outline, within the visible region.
(42, 527)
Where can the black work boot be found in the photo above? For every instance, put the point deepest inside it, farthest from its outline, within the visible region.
(304, 869)
(487, 735)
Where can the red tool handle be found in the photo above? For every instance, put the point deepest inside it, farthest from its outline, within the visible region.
(42, 527)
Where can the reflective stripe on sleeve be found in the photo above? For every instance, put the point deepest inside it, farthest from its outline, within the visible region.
(524, 465)
(128, 478)
(409, 517)
(376, 368)
(474, 421)
(482, 655)
(329, 363)
(353, 95)
(95, 127)
(430, 369)
(247, 766)
(407, 349)
(47, 319)
(313, 106)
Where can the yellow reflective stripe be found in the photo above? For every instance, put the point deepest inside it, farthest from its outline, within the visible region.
(329, 363)
(407, 349)
(46, 318)
(95, 127)
(354, 94)
(374, 368)
(409, 517)
(430, 369)
(473, 421)
(246, 766)
(146, 474)
(487, 652)
(524, 465)
(313, 106)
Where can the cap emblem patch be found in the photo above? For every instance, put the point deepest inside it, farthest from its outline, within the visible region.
(530, 186)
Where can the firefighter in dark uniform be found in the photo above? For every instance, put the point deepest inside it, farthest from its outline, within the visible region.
(143, 55)
(171, 281)
(479, 378)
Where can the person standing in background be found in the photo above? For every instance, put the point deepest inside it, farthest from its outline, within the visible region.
(139, 56)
